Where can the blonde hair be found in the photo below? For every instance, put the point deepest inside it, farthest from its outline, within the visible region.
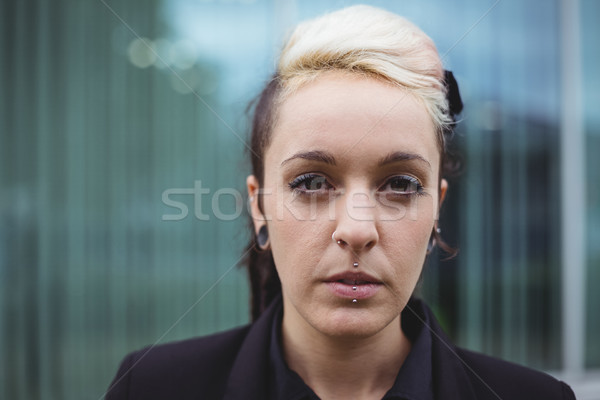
(370, 41)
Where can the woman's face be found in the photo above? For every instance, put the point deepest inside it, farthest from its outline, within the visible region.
(358, 157)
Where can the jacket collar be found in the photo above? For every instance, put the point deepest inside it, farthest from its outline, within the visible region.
(249, 375)
(450, 379)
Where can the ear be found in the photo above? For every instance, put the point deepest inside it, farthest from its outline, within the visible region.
(442, 195)
(253, 192)
(443, 190)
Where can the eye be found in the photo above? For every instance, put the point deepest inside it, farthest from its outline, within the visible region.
(402, 184)
(310, 183)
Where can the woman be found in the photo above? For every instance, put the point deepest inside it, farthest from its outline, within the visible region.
(349, 156)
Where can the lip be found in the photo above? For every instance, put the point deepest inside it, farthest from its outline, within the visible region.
(360, 277)
(343, 284)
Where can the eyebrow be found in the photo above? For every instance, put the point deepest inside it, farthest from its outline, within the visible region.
(315, 155)
(327, 158)
(402, 156)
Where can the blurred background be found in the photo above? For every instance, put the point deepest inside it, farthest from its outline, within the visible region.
(123, 162)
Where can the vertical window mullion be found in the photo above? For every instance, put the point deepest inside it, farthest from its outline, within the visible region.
(572, 191)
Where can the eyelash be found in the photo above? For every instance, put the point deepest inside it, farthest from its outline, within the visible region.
(306, 179)
(411, 181)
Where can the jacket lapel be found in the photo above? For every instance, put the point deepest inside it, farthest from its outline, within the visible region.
(250, 372)
(450, 379)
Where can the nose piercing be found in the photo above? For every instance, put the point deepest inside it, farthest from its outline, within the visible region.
(334, 239)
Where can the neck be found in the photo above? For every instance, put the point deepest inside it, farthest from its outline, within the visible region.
(342, 368)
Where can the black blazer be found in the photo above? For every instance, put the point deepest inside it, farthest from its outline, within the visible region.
(234, 365)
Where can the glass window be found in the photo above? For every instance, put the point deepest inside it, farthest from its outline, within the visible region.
(122, 185)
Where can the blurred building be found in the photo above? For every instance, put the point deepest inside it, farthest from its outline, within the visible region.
(107, 107)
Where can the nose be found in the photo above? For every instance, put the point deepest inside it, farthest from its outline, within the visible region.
(357, 222)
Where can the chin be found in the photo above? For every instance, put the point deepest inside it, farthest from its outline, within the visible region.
(353, 322)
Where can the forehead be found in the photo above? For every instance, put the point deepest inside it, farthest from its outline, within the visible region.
(352, 117)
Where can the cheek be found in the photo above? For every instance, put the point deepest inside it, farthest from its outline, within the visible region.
(297, 243)
(421, 227)
(406, 244)
(405, 240)
(409, 221)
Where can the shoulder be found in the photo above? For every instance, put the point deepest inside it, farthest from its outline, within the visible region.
(209, 367)
(494, 378)
(192, 368)
(464, 374)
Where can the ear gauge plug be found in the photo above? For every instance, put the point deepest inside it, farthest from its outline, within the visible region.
(262, 238)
